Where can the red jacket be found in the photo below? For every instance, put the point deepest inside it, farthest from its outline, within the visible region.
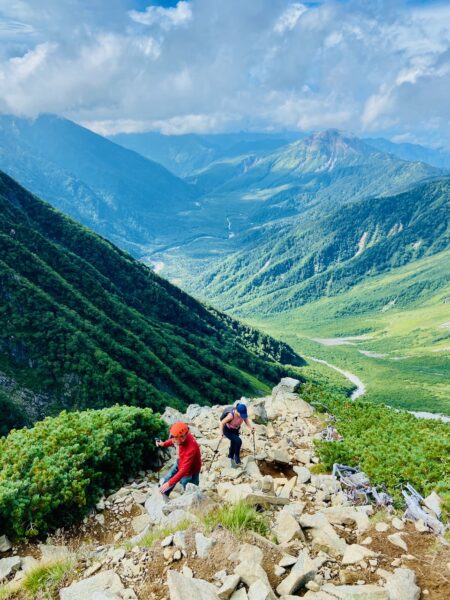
(189, 459)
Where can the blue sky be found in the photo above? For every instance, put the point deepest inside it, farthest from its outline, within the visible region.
(372, 67)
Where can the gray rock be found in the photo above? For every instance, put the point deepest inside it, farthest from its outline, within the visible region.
(154, 505)
(251, 572)
(304, 570)
(323, 535)
(8, 566)
(51, 553)
(179, 539)
(5, 544)
(286, 527)
(267, 484)
(355, 553)
(280, 456)
(104, 596)
(203, 544)
(182, 588)
(106, 581)
(355, 592)
(239, 594)
(250, 553)
(349, 515)
(303, 474)
(401, 585)
(287, 384)
(397, 540)
(140, 523)
(434, 503)
(259, 591)
(229, 585)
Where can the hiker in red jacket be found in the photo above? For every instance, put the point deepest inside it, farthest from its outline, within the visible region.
(187, 468)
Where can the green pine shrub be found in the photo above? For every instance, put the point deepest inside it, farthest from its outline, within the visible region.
(52, 474)
(391, 447)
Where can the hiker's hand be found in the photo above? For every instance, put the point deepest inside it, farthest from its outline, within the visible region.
(252, 429)
(159, 443)
(164, 487)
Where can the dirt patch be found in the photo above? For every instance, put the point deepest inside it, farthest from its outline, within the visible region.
(429, 563)
(275, 469)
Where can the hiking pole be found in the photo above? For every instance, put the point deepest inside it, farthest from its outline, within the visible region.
(254, 445)
(215, 453)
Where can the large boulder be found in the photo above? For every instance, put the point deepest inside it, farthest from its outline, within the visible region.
(286, 402)
(250, 572)
(5, 544)
(303, 571)
(286, 527)
(401, 585)
(181, 587)
(323, 535)
(106, 581)
(349, 515)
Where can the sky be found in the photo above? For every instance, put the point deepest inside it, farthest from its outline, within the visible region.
(372, 67)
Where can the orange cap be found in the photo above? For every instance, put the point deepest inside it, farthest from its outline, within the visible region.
(179, 429)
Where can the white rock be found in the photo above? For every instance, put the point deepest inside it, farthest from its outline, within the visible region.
(323, 535)
(154, 505)
(304, 570)
(287, 561)
(303, 474)
(106, 581)
(355, 553)
(187, 572)
(398, 541)
(280, 456)
(251, 572)
(51, 553)
(140, 523)
(229, 585)
(5, 544)
(250, 553)
(381, 527)
(398, 523)
(259, 591)
(434, 503)
(349, 515)
(181, 588)
(104, 596)
(355, 592)
(179, 539)
(239, 594)
(279, 571)
(420, 526)
(8, 566)
(203, 545)
(303, 456)
(167, 541)
(401, 585)
(286, 527)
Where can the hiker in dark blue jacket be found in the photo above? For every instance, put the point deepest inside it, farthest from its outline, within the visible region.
(230, 425)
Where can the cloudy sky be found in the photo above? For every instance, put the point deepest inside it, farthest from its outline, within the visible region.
(369, 66)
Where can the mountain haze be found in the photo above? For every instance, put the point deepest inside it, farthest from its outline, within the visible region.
(121, 195)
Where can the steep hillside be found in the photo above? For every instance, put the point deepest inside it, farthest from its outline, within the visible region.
(290, 265)
(118, 193)
(84, 325)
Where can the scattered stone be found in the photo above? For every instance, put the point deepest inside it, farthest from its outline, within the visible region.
(167, 541)
(250, 553)
(203, 544)
(240, 594)
(287, 561)
(267, 484)
(5, 544)
(421, 526)
(251, 572)
(140, 523)
(356, 592)
(434, 503)
(106, 581)
(381, 527)
(286, 527)
(187, 572)
(229, 585)
(179, 540)
(181, 587)
(52, 553)
(303, 474)
(398, 523)
(323, 535)
(259, 591)
(355, 553)
(401, 585)
(398, 541)
(279, 571)
(304, 570)
(303, 456)
(280, 456)
(8, 566)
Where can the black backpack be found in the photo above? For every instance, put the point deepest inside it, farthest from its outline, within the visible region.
(226, 411)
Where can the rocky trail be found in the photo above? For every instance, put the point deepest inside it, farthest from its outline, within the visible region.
(308, 542)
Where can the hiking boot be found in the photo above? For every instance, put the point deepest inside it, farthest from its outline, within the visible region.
(233, 464)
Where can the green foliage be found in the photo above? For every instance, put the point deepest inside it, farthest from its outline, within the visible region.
(89, 326)
(52, 474)
(237, 518)
(45, 580)
(156, 534)
(392, 447)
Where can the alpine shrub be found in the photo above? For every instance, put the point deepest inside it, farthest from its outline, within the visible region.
(52, 474)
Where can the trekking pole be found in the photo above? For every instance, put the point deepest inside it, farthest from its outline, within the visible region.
(254, 445)
(215, 453)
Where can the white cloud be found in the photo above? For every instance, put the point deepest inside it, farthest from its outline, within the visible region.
(164, 17)
(289, 18)
(211, 65)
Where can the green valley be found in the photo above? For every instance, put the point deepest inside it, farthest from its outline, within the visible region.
(403, 351)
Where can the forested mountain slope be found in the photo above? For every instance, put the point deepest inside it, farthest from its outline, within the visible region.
(290, 265)
(131, 200)
(85, 325)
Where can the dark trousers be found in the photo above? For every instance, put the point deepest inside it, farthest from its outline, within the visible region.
(235, 443)
(195, 479)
